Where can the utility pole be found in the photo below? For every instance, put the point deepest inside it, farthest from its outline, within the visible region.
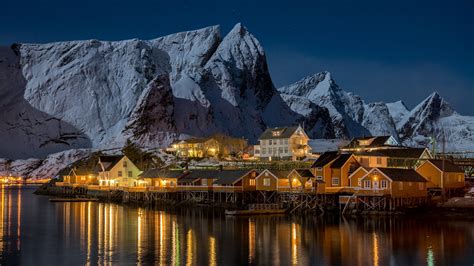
(443, 196)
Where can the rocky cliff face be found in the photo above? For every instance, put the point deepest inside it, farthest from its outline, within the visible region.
(98, 93)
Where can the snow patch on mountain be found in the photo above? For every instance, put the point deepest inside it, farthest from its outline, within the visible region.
(378, 120)
(398, 110)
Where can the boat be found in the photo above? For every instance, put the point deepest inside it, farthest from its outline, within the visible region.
(258, 209)
(73, 199)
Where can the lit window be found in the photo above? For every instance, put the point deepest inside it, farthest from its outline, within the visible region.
(410, 184)
(119, 173)
(335, 181)
(276, 133)
(459, 178)
(367, 183)
(266, 182)
(359, 181)
(83, 178)
(421, 186)
(384, 183)
(252, 182)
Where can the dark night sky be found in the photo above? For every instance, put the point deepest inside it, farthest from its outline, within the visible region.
(381, 50)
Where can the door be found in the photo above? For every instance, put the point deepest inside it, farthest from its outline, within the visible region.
(376, 184)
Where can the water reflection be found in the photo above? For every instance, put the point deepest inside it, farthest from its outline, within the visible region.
(35, 231)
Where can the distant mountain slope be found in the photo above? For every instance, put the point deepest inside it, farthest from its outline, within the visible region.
(99, 93)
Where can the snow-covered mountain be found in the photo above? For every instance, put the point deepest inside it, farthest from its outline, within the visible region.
(434, 117)
(348, 111)
(96, 94)
(352, 117)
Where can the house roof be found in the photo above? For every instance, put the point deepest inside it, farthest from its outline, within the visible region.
(280, 174)
(84, 171)
(341, 160)
(402, 175)
(229, 177)
(109, 161)
(304, 173)
(324, 159)
(377, 141)
(161, 173)
(411, 153)
(195, 140)
(449, 167)
(285, 132)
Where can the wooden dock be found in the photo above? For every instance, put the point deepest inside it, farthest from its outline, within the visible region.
(73, 199)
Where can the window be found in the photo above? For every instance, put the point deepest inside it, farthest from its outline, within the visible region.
(124, 164)
(359, 181)
(274, 150)
(384, 183)
(367, 183)
(335, 181)
(276, 133)
(410, 184)
(264, 150)
(266, 182)
(129, 173)
(286, 149)
(319, 177)
(83, 178)
(252, 182)
(379, 160)
(400, 185)
(421, 186)
(119, 173)
(204, 182)
(459, 178)
(319, 168)
(286, 141)
(280, 150)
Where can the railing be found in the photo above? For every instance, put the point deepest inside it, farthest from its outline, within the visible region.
(227, 189)
(371, 192)
(194, 188)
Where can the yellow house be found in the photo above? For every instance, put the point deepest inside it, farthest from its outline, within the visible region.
(394, 182)
(393, 158)
(81, 176)
(273, 181)
(161, 179)
(371, 143)
(118, 171)
(334, 170)
(305, 181)
(196, 147)
(450, 180)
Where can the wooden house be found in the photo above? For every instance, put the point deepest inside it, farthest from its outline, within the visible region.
(196, 148)
(161, 179)
(356, 177)
(197, 180)
(393, 158)
(273, 181)
(283, 143)
(334, 170)
(443, 175)
(235, 181)
(118, 171)
(371, 143)
(304, 180)
(80, 176)
(394, 182)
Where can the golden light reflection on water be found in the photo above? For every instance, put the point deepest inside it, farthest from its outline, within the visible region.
(108, 234)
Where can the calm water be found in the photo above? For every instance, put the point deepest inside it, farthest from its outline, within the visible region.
(37, 232)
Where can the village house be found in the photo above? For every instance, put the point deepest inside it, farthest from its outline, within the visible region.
(198, 180)
(235, 180)
(305, 181)
(81, 176)
(443, 175)
(195, 148)
(160, 179)
(334, 170)
(394, 182)
(118, 171)
(282, 143)
(371, 143)
(393, 158)
(273, 180)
